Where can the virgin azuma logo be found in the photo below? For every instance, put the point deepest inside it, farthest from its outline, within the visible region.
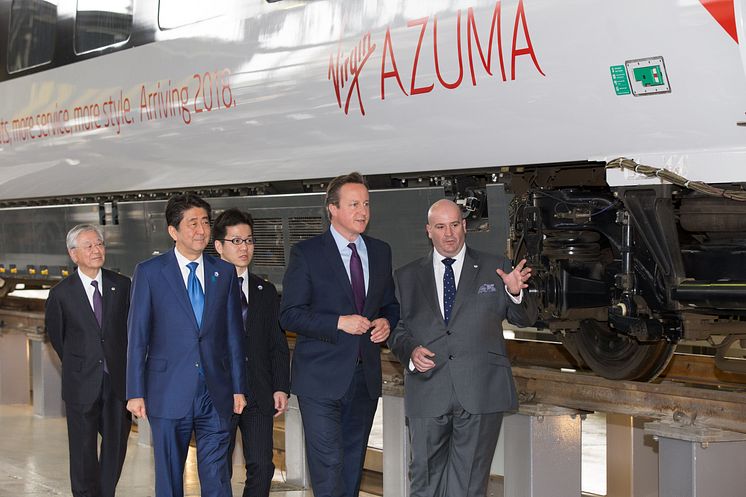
(344, 70)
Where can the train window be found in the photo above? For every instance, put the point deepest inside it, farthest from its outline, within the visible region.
(175, 13)
(102, 23)
(33, 25)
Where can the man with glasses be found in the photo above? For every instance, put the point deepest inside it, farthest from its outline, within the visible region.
(86, 321)
(266, 353)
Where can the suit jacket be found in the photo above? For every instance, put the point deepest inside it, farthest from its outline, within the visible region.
(316, 291)
(267, 355)
(166, 346)
(81, 343)
(470, 353)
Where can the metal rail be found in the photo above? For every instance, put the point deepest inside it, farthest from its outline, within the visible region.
(690, 392)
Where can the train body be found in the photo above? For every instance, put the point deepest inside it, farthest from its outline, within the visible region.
(516, 109)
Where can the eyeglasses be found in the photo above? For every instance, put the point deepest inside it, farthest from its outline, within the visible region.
(238, 241)
(89, 248)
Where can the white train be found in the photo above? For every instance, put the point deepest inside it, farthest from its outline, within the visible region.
(514, 108)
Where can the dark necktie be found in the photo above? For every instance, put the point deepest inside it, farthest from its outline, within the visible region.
(98, 304)
(357, 279)
(244, 301)
(196, 295)
(98, 311)
(449, 288)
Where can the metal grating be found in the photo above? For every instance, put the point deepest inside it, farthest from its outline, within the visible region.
(302, 228)
(269, 249)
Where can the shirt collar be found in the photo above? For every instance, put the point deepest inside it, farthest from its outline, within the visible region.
(87, 281)
(183, 261)
(438, 258)
(342, 242)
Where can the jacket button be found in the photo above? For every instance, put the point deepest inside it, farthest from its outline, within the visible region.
(448, 332)
(450, 356)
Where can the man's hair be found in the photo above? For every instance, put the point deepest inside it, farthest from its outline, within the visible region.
(72, 235)
(180, 203)
(332, 191)
(231, 217)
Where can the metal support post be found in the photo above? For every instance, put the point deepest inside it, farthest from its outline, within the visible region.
(15, 386)
(46, 370)
(542, 452)
(700, 462)
(295, 446)
(631, 458)
(395, 448)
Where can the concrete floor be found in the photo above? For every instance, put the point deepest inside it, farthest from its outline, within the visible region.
(34, 461)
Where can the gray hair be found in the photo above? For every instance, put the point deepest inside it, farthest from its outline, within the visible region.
(72, 235)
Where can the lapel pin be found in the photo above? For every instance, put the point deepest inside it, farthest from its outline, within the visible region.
(113, 289)
(260, 287)
(216, 274)
(476, 266)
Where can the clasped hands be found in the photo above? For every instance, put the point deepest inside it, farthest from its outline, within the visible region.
(355, 324)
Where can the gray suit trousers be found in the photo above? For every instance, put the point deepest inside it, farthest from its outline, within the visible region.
(452, 454)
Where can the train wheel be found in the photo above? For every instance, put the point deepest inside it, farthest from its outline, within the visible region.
(619, 357)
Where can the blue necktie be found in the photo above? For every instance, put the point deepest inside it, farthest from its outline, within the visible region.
(357, 279)
(449, 288)
(196, 295)
(244, 301)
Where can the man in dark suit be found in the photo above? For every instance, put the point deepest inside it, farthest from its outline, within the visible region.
(185, 362)
(266, 352)
(338, 296)
(86, 321)
(457, 380)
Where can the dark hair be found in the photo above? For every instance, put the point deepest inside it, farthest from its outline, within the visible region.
(180, 203)
(332, 191)
(228, 218)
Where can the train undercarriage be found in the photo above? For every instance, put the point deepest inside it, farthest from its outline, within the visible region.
(622, 275)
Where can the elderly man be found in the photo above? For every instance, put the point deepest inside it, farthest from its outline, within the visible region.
(86, 320)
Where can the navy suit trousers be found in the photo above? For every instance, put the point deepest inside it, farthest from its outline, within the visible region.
(337, 437)
(171, 443)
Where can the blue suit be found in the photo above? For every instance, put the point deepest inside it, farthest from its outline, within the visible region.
(336, 376)
(187, 374)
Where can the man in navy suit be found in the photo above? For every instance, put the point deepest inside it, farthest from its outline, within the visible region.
(267, 356)
(338, 296)
(86, 321)
(185, 361)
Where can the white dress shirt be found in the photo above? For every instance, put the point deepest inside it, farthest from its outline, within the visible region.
(89, 288)
(245, 283)
(183, 261)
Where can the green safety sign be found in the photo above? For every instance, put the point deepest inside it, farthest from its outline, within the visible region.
(619, 78)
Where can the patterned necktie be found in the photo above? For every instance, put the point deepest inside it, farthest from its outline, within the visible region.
(196, 295)
(357, 279)
(244, 301)
(98, 304)
(449, 288)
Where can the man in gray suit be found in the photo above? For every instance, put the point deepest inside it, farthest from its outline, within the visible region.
(457, 377)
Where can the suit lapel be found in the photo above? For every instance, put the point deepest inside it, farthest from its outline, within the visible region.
(334, 259)
(253, 297)
(79, 294)
(426, 275)
(211, 286)
(466, 281)
(108, 292)
(172, 274)
(372, 276)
